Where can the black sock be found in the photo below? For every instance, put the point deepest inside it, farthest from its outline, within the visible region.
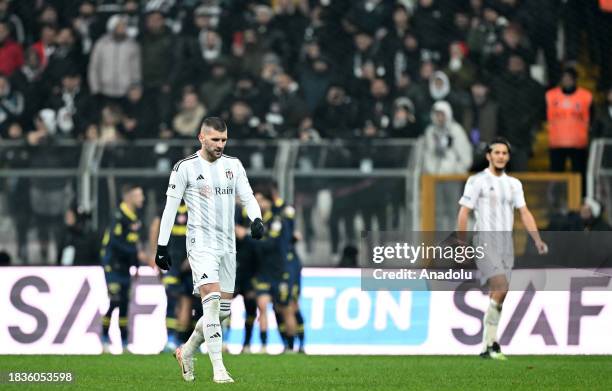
(290, 339)
(263, 335)
(281, 326)
(250, 307)
(300, 327)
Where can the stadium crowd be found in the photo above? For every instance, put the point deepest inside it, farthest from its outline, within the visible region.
(108, 70)
(457, 72)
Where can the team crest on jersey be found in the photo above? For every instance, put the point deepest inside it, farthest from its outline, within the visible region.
(229, 174)
(205, 191)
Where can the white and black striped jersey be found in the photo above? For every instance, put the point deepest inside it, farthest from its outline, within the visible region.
(493, 199)
(209, 191)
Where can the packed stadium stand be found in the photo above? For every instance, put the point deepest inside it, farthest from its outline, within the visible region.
(334, 99)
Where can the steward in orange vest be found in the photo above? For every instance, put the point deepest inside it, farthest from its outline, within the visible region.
(568, 110)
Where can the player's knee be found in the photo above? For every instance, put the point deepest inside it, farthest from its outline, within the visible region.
(225, 309)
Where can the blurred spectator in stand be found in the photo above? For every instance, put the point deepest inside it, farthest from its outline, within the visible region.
(45, 46)
(376, 107)
(521, 109)
(364, 53)
(337, 116)
(431, 27)
(141, 120)
(187, 121)
(132, 11)
(242, 123)
(394, 38)
(291, 19)
(115, 62)
(248, 51)
(13, 20)
(79, 243)
(404, 123)
(11, 52)
(315, 74)
(110, 128)
(461, 25)
(271, 37)
(568, 109)
(29, 81)
(440, 88)
(250, 91)
(11, 104)
(287, 108)
(447, 150)
(215, 90)
(513, 42)
(66, 56)
(88, 25)
(158, 61)
(485, 35)
(480, 121)
(542, 28)
(17, 188)
(460, 69)
(307, 132)
(72, 105)
(404, 59)
(370, 14)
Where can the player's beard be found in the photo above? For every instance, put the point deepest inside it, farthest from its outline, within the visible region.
(212, 153)
(499, 170)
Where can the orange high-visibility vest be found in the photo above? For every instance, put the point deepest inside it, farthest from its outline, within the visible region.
(568, 118)
(605, 5)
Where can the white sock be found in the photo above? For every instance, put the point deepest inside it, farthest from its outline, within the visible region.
(225, 307)
(212, 329)
(490, 322)
(195, 339)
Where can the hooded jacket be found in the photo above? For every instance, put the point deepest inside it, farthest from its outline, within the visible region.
(447, 148)
(115, 64)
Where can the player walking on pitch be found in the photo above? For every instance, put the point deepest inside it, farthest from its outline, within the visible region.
(493, 196)
(208, 181)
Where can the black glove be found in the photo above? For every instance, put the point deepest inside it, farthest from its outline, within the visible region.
(162, 258)
(257, 229)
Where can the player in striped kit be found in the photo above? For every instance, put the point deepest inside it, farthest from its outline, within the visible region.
(493, 195)
(208, 181)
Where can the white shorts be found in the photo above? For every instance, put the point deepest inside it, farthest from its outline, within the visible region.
(495, 265)
(498, 257)
(209, 266)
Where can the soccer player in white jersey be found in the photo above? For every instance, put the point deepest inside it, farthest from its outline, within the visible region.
(208, 181)
(493, 195)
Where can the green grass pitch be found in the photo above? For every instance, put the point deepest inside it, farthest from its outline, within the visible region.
(321, 373)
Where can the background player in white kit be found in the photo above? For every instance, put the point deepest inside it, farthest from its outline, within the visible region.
(208, 181)
(493, 196)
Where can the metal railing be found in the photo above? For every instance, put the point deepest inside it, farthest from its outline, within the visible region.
(380, 177)
(599, 174)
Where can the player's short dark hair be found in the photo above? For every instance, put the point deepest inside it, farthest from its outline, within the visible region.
(127, 187)
(265, 190)
(215, 123)
(499, 140)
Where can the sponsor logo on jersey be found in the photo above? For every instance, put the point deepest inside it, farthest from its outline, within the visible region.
(224, 191)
